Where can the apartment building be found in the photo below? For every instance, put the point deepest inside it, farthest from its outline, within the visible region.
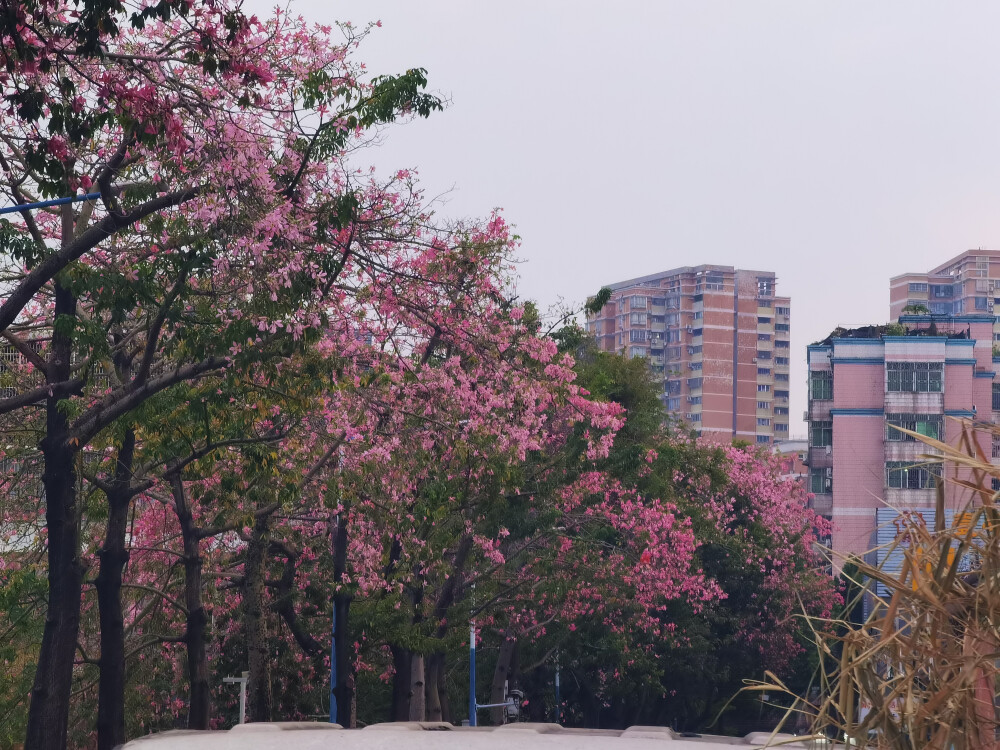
(866, 381)
(968, 284)
(718, 339)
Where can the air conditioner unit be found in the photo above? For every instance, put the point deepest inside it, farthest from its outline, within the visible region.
(829, 449)
(754, 360)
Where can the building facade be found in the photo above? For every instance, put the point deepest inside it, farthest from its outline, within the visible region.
(717, 338)
(864, 383)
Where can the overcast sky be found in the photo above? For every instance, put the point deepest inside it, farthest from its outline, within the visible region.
(837, 143)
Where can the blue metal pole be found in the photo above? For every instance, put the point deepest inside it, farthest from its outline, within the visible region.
(558, 697)
(333, 668)
(46, 204)
(472, 674)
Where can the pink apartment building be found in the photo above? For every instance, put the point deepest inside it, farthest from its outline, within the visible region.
(861, 383)
(717, 337)
(967, 284)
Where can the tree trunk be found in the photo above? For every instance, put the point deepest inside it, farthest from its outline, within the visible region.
(114, 556)
(196, 627)
(417, 705)
(401, 660)
(446, 714)
(501, 676)
(343, 690)
(433, 687)
(259, 686)
(48, 715)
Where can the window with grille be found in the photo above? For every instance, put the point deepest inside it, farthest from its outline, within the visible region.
(914, 377)
(821, 481)
(821, 433)
(931, 425)
(821, 385)
(905, 475)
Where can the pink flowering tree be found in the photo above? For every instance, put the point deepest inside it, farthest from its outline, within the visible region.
(225, 223)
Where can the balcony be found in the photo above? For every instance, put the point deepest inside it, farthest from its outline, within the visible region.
(819, 457)
(822, 504)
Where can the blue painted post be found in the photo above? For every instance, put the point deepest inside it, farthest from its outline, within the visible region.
(472, 674)
(558, 697)
(53, 202)
(333, 668)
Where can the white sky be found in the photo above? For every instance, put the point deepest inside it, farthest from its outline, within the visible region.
(837, 143)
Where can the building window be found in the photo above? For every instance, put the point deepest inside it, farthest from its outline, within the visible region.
(672, 387)
(942, 291)
(904, 475)
(694, 349)
(781, 327)
(780, 427)
(781, 377)
(940, 308)
(763, 404)
(698, 315)
(694, 383)
(996, 445)
(763, 370)
(763, 422)
(637, 302)
(781, 360)
(673, 404)
(637, 351)
(763, 355)
(637, 334)
(914, 377)
(763, 438)
(781, 344)
(694, 399)
(763, 337)
(695, 365)
(982, 303)
(696, 332)
(781, 394)
(918, 287)
(923, 424)
(781, 411)
(762, 319)
(781, 310)
(821, 434)
(763, 388)
(638, 319)
(765, 303)
(656, 301)
(996, 397)
(765, 286)
(821, 481)
(821, 385)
